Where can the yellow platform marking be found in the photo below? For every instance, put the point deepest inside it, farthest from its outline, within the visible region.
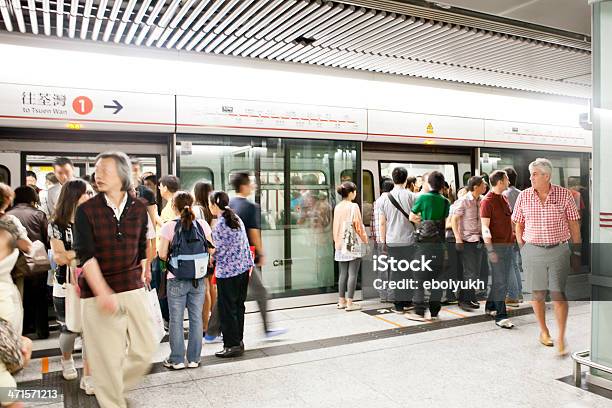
(455, 313)
(388, 321)
(44, 365)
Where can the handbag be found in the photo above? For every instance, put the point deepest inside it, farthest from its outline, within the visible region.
(155, 315)
(351, 243)
(38, 260)
(10, 347)
(74, 321)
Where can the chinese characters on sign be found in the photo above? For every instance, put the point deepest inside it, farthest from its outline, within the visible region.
(43, 103)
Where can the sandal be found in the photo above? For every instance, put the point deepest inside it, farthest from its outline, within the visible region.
(353, 306)
(546, 340)
(341, 306)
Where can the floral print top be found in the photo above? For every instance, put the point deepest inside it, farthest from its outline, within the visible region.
(232, 252)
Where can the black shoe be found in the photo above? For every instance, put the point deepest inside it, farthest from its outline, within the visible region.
(228, 352)
(465, 306)
(475, 305)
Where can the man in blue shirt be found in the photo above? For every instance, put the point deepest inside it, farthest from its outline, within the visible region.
(250, 215)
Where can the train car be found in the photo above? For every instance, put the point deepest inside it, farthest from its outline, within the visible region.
(298, 130)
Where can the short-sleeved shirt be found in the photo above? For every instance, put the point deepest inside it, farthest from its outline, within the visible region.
(512, 194)
(375, 222)
(247, 211)
(497, 208)
(14, 226)
(548, 223)
(468, 208)
(399, 230)
(167, 213)
(146, 195)
(167, 232)
(232, 252)
(432, 206)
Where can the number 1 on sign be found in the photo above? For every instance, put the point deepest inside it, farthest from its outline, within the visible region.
(82, 105)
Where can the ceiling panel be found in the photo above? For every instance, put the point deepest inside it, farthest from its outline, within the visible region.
(372, 35)
(569, 15)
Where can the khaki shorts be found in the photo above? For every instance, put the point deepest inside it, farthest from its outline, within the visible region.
(546, 268)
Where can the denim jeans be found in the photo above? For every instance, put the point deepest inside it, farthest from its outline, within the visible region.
(500, 271)
(181, 294)
(472, 262)
(515, 283)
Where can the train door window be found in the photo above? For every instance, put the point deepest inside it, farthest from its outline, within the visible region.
(449, 170)
(5, 175)
(193, 175)
(84, 164)
(368, 196)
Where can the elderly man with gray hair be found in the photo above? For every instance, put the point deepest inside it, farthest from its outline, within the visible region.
(110, 244)
(546, 220)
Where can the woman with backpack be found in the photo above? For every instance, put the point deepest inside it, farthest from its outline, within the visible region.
(234, 261)
(185, 244)
(72, 194)
(348, 230)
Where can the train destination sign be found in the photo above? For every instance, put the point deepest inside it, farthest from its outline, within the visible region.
(61, 108)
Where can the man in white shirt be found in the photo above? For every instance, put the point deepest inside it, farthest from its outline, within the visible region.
(397, 232)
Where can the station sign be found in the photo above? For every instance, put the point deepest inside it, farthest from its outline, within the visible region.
(29, 106)
(406, 127)
(271, 119)
(533, 135)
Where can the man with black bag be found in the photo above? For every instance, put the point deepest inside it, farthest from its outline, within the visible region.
(397, 233)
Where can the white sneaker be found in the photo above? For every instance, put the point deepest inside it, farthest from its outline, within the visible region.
(505, 324)
(173, 366)
(69, 371)
(193, 364)
(87, 385)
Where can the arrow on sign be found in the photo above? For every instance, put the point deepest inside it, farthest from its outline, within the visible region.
(117, 106)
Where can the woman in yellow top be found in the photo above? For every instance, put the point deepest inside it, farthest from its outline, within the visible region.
(347, 212)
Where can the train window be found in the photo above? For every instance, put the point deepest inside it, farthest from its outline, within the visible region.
(368, 196)
(347, 175)
(192, 175)
(5, 175)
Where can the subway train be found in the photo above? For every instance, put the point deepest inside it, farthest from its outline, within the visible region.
(296, 153)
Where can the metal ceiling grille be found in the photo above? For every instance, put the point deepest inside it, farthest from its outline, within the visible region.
(315, 32)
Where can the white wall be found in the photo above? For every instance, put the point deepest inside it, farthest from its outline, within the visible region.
(71, 63)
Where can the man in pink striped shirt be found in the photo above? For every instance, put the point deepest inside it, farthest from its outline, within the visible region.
(546, 220)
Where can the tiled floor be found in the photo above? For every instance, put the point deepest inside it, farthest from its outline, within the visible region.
(475, 364)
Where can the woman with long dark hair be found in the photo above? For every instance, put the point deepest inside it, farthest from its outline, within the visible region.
(73, 194)
(183, 290)
(201, 209)
(347, 215)
(234, 261)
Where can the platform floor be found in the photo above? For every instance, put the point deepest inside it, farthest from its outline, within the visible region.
(332, 358)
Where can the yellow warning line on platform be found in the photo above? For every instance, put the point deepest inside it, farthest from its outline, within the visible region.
(388, 321)
(455, 313)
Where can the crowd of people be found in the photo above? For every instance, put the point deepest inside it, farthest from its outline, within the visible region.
(108, 247)
(492, 230)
